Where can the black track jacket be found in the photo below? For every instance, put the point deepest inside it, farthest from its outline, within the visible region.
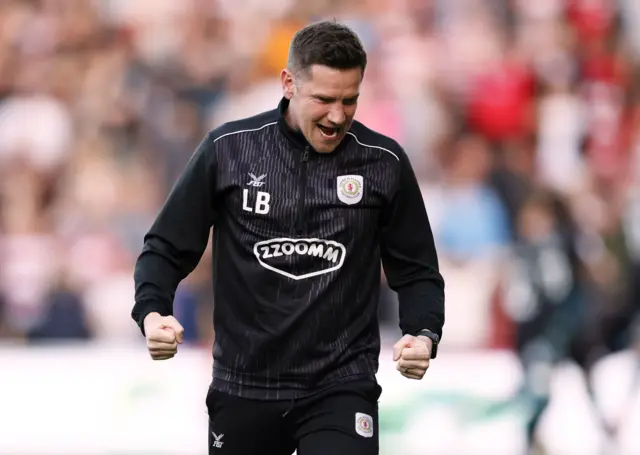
(298, 242)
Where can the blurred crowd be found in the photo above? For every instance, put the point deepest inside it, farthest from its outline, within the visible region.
(521, 118)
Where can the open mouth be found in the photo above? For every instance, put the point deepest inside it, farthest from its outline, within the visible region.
(328, 132)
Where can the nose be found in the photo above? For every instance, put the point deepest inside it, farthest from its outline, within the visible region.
(336, 115)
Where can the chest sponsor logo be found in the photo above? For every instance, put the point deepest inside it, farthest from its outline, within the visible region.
(300, 258)
(350, 188)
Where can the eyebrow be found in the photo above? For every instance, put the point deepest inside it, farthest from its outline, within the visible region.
(329, 98)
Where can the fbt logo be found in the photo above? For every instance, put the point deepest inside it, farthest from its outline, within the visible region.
(312, 257)
(217, 440)
(256, 181)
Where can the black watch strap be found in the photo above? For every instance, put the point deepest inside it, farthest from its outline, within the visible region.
(434, 337)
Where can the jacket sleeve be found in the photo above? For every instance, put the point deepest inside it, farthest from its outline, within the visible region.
(409, 256)
(178, 237)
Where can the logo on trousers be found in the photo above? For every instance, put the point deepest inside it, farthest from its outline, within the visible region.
(364, 425)
(217, 443)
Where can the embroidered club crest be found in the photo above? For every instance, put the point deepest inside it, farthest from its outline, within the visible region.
(350, 188)
(364, 425)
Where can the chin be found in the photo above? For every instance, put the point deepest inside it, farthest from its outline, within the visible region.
(323, 148)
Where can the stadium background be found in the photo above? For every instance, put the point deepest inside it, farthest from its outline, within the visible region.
(521, 118)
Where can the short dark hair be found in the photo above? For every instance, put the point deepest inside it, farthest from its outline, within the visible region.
(326, 43)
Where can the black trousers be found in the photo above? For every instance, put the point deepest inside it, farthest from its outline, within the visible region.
(341, 420)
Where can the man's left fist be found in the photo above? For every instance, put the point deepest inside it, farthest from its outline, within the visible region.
(413, 355)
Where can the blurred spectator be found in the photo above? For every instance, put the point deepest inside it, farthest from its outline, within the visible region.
(63, 318)
(544, 299)
(469, 201)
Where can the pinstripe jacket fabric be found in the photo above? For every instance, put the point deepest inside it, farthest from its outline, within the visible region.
(298, 242)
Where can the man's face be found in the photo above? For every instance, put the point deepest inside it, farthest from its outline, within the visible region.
(323, 102)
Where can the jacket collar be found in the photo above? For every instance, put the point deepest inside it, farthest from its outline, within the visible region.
(294, 135)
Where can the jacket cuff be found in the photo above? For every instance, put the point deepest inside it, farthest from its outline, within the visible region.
(429, 322)
(142, 309)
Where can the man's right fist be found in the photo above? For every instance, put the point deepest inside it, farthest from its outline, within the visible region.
(164, 334)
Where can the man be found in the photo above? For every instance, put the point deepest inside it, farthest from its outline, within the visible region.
(546, 301)
(305, 202)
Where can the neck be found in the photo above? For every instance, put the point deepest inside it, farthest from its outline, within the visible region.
(290, 119)
(289, 125)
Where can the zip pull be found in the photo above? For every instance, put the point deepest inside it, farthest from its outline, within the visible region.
(305, 154)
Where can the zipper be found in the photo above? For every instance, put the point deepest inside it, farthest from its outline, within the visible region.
(302, 190)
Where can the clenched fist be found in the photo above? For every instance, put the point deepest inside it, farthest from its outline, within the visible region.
(412, 355)
(164, 334)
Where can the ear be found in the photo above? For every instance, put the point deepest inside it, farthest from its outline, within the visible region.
(288, 83)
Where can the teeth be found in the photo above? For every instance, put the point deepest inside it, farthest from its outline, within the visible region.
(334, 132)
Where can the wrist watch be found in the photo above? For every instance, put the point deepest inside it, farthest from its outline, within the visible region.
(434, 337)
